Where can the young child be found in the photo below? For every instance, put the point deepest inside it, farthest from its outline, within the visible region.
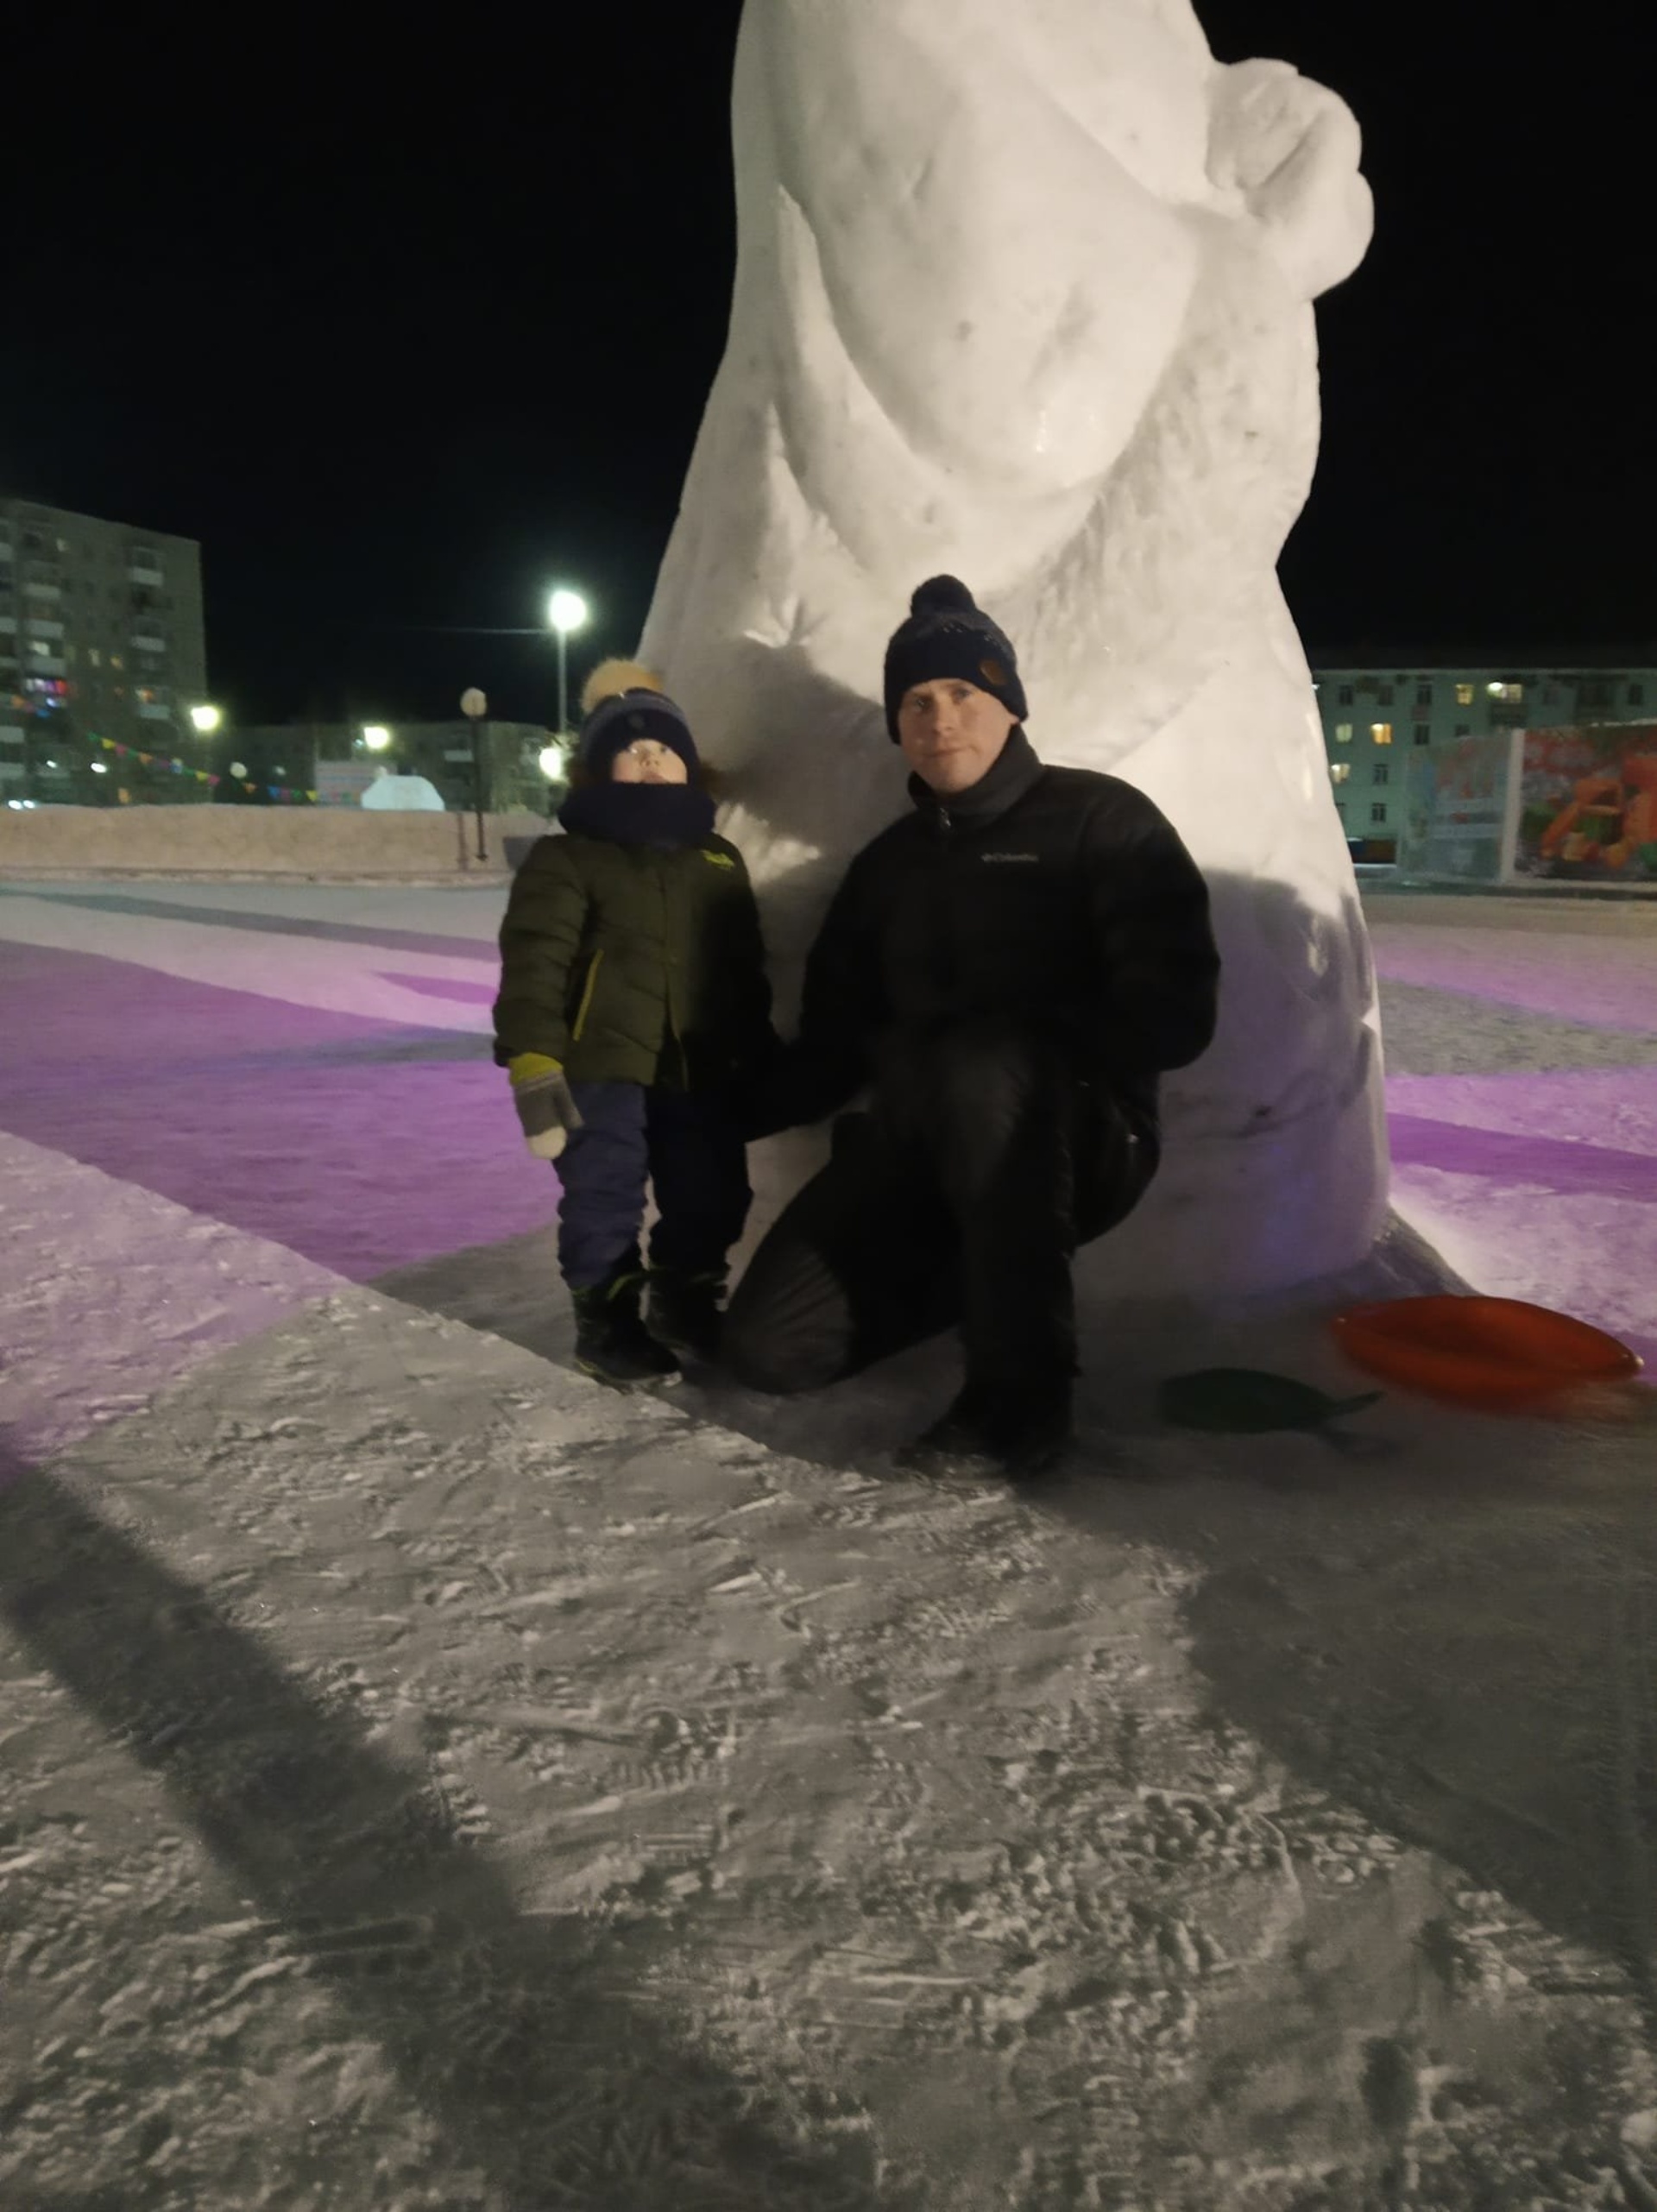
(633, 998)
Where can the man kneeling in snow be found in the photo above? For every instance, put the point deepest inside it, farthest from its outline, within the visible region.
(1009, 969)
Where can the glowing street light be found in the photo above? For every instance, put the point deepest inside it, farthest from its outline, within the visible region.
(565, 611)
(205, 720)
(552, 761)
(376, 738)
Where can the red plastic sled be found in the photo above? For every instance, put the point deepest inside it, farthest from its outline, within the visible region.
(1483, 1352)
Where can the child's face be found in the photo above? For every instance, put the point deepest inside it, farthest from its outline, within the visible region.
(648, 761)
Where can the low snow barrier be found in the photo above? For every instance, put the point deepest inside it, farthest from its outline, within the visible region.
(316, 844)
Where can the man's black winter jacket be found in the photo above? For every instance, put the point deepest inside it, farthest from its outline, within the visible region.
(1057, 896)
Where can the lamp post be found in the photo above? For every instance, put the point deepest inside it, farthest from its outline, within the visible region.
(475, 706)
(565, 611)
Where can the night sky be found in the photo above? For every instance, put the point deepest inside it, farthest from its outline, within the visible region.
(402, 338)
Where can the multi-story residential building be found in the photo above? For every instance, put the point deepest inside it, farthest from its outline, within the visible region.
(101, 636)
(1378, 704)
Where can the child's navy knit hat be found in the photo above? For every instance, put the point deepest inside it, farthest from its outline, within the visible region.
(622, 702)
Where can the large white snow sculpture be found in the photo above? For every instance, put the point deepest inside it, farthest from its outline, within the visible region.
(1023, 293)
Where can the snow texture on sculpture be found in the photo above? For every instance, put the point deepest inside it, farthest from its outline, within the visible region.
(1024, 294)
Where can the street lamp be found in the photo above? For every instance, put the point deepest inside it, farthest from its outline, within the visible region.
(565, 611)
(376, 738)
(205, 720)
(474, 706)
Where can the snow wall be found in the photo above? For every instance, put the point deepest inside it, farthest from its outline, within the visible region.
(325, 844)
(1025, 294)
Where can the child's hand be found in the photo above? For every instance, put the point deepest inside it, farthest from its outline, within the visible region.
(546, 1109)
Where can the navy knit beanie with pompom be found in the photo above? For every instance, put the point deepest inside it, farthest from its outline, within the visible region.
(948, 635)
(621, 701)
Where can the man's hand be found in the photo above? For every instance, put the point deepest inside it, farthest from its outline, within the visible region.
(546, 1109)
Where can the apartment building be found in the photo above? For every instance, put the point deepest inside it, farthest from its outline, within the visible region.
(1376, 704)
(101, 637)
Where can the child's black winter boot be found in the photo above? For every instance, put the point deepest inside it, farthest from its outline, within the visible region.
(612, 1343)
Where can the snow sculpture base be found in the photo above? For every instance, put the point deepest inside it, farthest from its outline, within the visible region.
(1025, 295)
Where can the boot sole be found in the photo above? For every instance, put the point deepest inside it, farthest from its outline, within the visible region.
(698, 1353)
(627, 1383)
(683, 1347)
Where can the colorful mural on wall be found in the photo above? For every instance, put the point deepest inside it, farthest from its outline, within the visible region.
(1588, 806)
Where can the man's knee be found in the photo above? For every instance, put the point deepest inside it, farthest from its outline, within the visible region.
(786, 1331)
(1115, 1167)
(760, 1349)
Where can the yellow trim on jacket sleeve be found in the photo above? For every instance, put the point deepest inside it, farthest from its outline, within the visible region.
(530, 1067)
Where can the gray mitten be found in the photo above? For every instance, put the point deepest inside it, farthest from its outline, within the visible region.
(548, 1112)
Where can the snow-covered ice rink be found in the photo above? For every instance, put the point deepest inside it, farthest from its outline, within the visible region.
(429, 1781)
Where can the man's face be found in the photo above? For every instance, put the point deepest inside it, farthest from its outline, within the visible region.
(951, 733)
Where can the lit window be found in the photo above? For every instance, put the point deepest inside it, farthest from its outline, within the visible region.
(1512, 695)
(1382, 732)
(1343, 733)
(1423, 733)
(1380, 773)
(1464, 695)
(1340, 771)
(1378, 811)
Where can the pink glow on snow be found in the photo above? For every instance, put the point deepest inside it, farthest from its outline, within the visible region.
(185, 1162)
(110, 1293)
(362, 1145)
(1609, 982)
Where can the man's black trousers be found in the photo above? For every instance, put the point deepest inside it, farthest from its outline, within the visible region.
(958, 1198)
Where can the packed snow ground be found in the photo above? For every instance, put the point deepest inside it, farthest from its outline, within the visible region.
(432, 1782)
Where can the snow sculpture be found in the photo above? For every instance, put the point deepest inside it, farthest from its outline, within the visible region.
(402, 794)
(1024, 294)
